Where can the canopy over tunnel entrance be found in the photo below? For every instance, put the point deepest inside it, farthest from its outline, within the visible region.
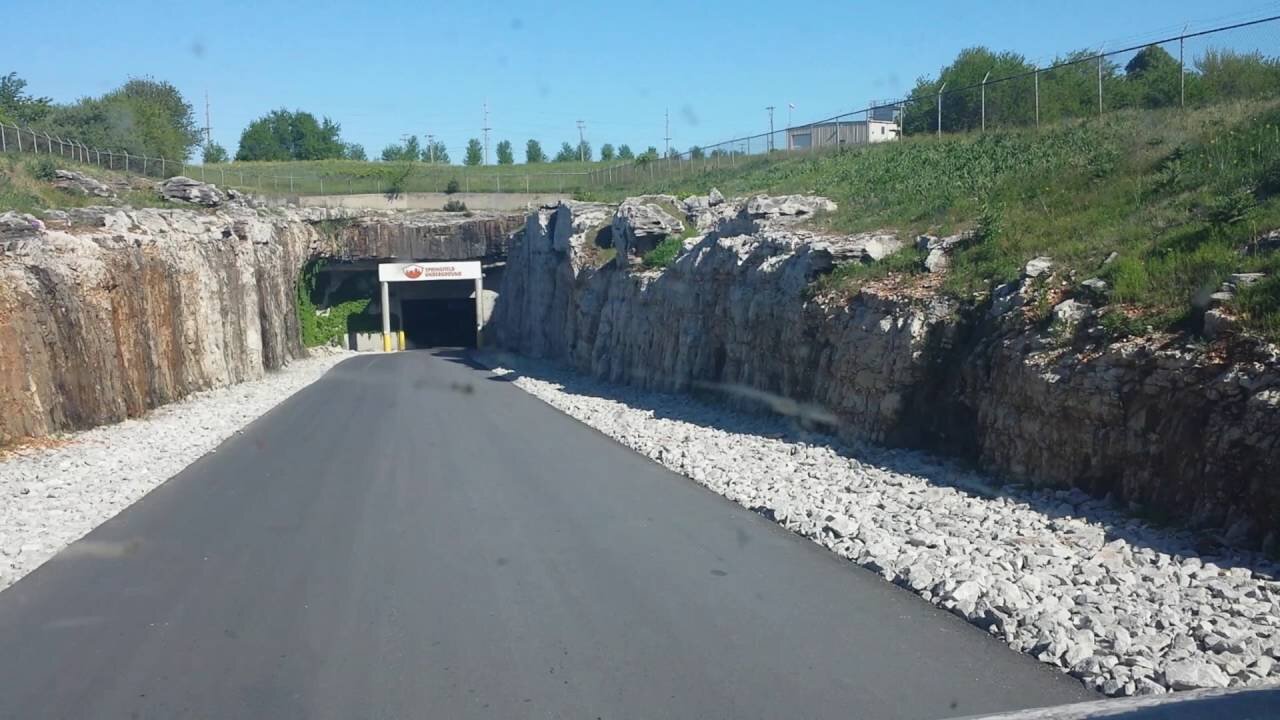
(439, 303)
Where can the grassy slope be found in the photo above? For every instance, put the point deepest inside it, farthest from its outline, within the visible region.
(23, 189)
(355, 176)
(1174, 194)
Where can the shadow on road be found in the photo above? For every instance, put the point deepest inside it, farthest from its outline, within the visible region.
(707, 409)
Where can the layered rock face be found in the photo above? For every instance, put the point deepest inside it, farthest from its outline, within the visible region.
(1156, 421)
(427, 235)
(106, 312)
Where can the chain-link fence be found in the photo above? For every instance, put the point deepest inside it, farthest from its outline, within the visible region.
(1188, 69)
(384, 178)
(14, 138)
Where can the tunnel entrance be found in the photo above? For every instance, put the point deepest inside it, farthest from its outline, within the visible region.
(439, 322)
(439, 303)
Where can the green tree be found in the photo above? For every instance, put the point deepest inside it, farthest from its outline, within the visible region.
(1008, 103)
(1224, 75)
(606, 152)
(533, 152)
(285, 135)
(435, 153)
(16, 106)
(624, 152)
(354, 151)
(142, 117)
(651, 153)
(1152, 79)
(393, 153)
(584, 151)
(214, 153)
(505, 156)
(568, 153)
(475, 153)
(696, 153)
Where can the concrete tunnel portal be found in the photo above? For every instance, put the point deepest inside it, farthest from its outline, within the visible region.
(418, 305)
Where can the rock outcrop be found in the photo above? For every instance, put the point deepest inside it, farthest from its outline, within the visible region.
(187, 190)
(82, 184)
(108, 312)
(1162, 423)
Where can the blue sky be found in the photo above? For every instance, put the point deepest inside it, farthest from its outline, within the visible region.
(383, 69)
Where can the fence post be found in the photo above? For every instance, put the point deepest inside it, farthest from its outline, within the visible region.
(322, 185)
(1037, 77)
(985, 78)
(144, 164)
(50, 141)
(1182, 70)
(4, 145)
(498, 178)
(15, 127)
(162, 166)
(290, 183)
(126, 160)
(944, 87)
(1100, 56)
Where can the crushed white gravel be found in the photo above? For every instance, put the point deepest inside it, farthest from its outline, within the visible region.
(54, 495)
(1128, 608)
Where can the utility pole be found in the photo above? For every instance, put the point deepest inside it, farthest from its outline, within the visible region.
(666, 119)
(1182, 69)
(208, 128)
(431, 148)
(486, 130)
(770, 143)
(582, 141)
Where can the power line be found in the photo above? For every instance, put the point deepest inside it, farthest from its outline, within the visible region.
(770, 143)
(582, 141)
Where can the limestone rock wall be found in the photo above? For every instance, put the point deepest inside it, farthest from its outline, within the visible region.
(1154, 421)
(106, 313)
(104, 316)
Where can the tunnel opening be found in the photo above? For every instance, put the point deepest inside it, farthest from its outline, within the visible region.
(440, 322)
(339, 303)
(440, 313)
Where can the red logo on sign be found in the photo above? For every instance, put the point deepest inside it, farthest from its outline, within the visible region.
(413, 272)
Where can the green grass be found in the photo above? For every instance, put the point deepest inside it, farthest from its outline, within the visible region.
(334, 177)
(1175, 194)
(664, 253)
(25, 186)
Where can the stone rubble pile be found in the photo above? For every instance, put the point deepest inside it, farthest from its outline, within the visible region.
(1126, 608)
(53, 495)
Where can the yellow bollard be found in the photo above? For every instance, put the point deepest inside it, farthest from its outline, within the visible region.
(402, 345)
(386, 342)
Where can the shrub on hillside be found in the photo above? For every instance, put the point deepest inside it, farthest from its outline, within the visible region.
(455, 206)
(44, 169)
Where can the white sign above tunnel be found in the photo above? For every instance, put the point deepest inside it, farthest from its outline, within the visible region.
(420, 271)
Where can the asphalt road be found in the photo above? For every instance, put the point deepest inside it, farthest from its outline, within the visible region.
(410, 537)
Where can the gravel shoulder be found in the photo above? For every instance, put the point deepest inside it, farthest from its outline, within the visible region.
(61, 488)
(1126, 607)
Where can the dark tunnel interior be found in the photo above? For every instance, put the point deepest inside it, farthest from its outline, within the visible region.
(440, 322)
